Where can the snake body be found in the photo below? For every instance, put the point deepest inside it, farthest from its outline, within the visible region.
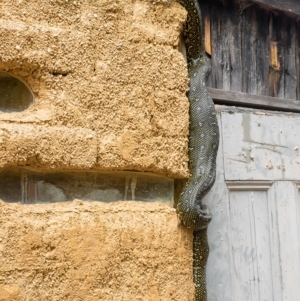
(203, 146)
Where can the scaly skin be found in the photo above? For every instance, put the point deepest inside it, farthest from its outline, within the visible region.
(203, 146)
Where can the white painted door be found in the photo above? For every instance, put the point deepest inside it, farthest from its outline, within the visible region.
(254, 236)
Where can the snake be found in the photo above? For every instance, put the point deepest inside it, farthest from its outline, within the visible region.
(203, 143)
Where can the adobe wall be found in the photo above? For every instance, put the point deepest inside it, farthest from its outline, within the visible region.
(109, 85)
(121, 251)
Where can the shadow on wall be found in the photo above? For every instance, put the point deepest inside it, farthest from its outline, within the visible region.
(15, 95)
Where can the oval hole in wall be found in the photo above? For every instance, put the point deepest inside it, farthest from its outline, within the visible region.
(15, 96)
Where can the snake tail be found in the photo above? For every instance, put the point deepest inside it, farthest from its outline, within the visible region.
(200, 246)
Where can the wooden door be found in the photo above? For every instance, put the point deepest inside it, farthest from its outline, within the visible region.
(254, 236)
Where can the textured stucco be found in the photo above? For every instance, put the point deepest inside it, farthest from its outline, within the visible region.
(121, 251)
(109, 88)
(108, 67)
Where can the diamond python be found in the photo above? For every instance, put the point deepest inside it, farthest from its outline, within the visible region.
(203, 146)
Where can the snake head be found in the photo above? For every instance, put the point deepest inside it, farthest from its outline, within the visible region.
(199, 68)
(195, 217)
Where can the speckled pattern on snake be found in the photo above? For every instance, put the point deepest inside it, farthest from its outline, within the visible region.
(203, 146)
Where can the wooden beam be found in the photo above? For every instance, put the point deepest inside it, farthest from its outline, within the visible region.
(291, 7)
(253, 101)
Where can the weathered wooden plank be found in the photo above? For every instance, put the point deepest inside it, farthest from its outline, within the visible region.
(249, 55)
(243, 249)
(261, 146)
(290, 6)
(207, 31)
(285, 198)
(218, 52)
(255, 54)
(235, 51)
(251, 100)
(298, 58)
(205, 11)
(226, 50)
(261, 237)
(250, 243)
(289, 41)
(282, 76)
(276, 75)
(262, 51)
(218, 269)
(298, 215)
(274, 244)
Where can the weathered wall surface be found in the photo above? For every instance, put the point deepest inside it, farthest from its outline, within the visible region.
(93, 251)
(109, 94)
(110, 70)
(255, 204)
